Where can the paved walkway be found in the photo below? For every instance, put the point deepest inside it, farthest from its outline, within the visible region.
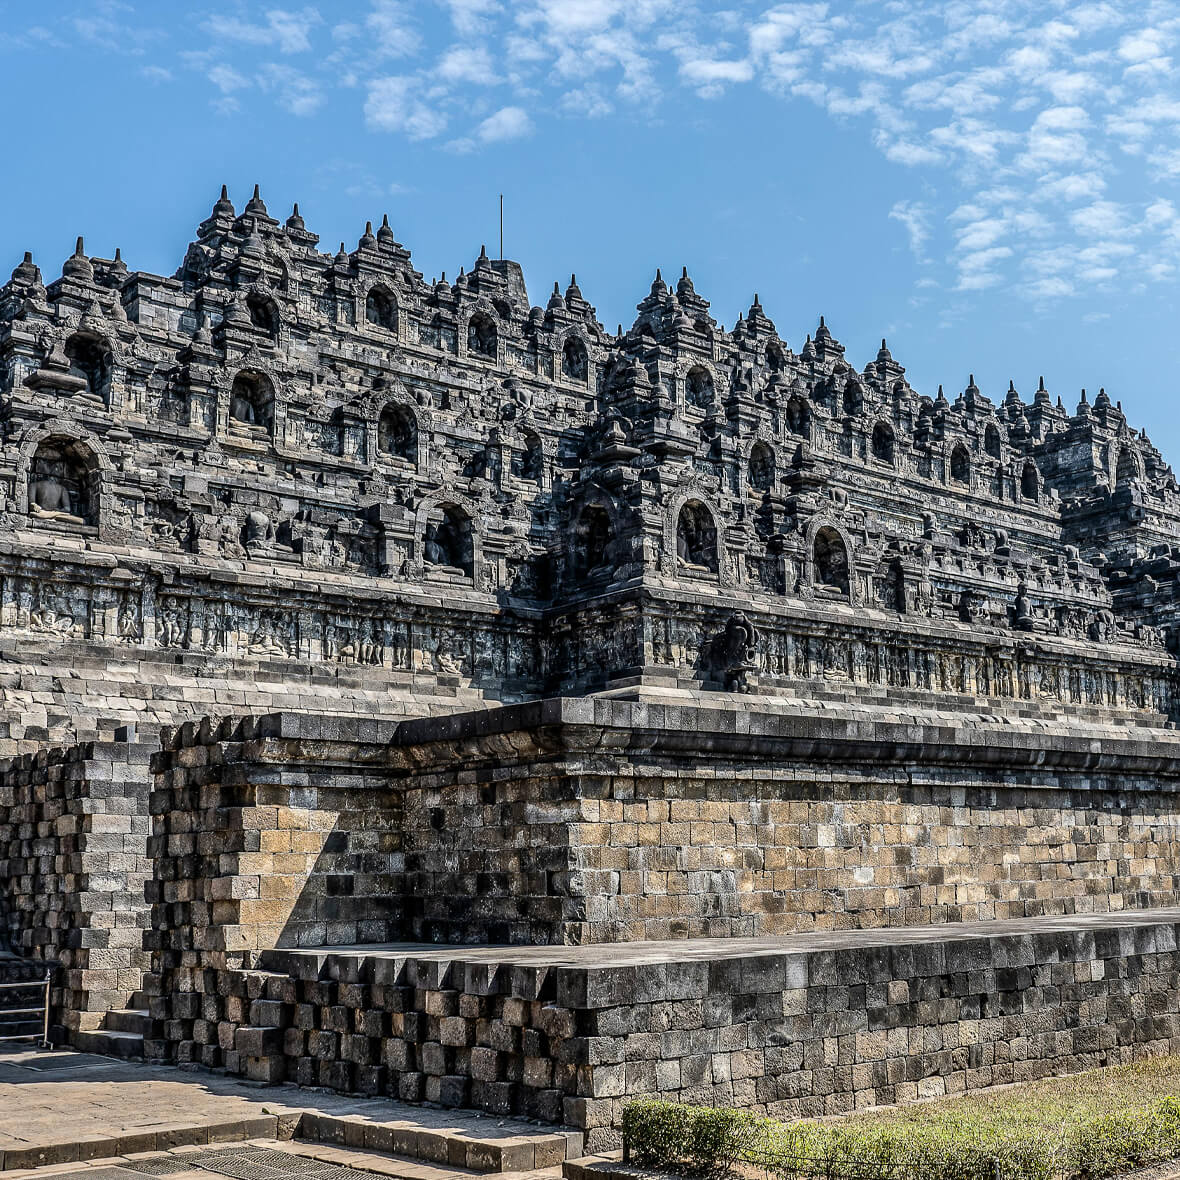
(61, 1108)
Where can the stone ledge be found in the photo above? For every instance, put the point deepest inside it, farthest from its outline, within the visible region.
(515, 970)
(736, 730)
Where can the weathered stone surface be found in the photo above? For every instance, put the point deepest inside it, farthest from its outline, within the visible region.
(73, 864)
(301, 519)
(597, 821)
(282, 478)
(872, 1017)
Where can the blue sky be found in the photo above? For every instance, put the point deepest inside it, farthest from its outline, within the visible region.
(993, 185)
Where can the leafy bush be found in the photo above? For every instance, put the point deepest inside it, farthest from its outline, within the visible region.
(707, 1141)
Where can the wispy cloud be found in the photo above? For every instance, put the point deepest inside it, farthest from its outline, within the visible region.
(1042, 141)
(395, 103)
(289, 32)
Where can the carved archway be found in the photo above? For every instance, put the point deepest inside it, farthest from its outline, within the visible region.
(761, 466)
(480, 331)
(83, 478)
(254, 362)
(883, 443)
(380, 309)
(594, 538)
(449, 525)
(822, 533)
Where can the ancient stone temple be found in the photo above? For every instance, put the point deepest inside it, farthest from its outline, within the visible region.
(750, 727)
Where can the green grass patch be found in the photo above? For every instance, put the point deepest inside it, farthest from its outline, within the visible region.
(1083, 1127)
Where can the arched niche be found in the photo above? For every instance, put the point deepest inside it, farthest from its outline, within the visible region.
(883, 443)
(482, 335)
(528, 459)
(992, 441)
(696, 537)
(960, 464)
(829, 561)
(447, 541)
(91, 359)
(381, 308)
(698, 388)
(264, 314)
(397, 433)
(64, 482)
(575, 361)
(775, 357)
(1126, 467)
(853, 398)
(798, 417)
(252, 403)
(593, 544)
(1030, 482)
(760, 468)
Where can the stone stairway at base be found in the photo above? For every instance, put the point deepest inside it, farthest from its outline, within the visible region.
(121, 1032)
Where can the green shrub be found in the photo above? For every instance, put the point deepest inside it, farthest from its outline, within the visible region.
(958, 1145)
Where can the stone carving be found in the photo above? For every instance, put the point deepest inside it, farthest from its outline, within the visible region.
(738, 652)
(130, 630)
(171, 630)
(438, 476)
(53, 619)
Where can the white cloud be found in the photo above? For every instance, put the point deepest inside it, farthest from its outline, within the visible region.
(506, 123)
(467, 63)
(471, 16)
(289, 32)
(296, 93)
(915, 216)
(227, 79)
(709, 77)
(393, 104)
(392, 28)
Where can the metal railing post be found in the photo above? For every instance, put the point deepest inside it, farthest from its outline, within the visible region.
(45, 1032)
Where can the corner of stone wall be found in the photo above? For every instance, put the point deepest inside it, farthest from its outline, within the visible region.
(73, 863)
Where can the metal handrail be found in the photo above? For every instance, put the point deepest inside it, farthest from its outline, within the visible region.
(26, 984)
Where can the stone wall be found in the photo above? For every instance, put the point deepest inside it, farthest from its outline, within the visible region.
(812, 1025)
(55, 693)
(597, 821)
(606, 821)
(73, 864)
(255, 846)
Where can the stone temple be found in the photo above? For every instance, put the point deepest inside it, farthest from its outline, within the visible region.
(409, 690)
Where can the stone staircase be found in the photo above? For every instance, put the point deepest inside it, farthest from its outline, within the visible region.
(121, 1032)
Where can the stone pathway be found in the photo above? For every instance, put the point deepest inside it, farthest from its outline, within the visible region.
(63, 1111)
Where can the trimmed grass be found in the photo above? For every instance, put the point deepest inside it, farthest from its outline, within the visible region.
(1086, 1126)
(1046, 1105)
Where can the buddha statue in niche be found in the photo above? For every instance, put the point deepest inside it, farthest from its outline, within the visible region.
(50, 494)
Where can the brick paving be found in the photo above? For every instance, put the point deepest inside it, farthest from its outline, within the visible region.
(62, 1112)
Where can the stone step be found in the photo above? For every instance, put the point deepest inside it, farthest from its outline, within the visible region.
(110, 1043)
(131, 1020)
(606, 1166)
(462, 1139)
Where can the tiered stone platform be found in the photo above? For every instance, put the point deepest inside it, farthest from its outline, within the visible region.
(799, 910)
(807, 1024)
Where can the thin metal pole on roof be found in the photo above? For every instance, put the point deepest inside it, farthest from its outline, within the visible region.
(501, 227)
